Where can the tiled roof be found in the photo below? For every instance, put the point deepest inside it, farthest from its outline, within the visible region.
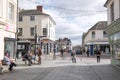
(99, 26)
(106, 3)
(31, 12)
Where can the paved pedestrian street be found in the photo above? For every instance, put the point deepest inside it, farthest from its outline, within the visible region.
(63, 69)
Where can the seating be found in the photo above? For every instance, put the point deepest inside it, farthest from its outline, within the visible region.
(4, 62)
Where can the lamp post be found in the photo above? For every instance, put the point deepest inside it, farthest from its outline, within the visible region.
(35, 38)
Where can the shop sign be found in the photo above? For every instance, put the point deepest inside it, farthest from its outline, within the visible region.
(45, 40)
(11, 28)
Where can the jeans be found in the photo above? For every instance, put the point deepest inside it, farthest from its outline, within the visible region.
(98, 58)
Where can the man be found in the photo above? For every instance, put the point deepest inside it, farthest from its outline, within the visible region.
(39, 55)
(61, 51)
(28, 57)
(73, 55)
(98, 53)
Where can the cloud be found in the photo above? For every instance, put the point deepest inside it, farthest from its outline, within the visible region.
(72, 17)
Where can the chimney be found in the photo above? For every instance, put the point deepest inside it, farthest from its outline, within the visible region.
(39, 8)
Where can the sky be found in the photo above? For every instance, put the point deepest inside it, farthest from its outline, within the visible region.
(72, 17)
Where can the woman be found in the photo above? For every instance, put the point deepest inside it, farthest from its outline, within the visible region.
(9, 61)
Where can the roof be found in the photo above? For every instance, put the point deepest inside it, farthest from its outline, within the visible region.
(106, 3)
(99, 26)
(31, 12)
(34, 12)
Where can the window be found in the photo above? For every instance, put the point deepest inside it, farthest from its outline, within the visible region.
(112, 11)
(20, 18)
(44, 31)
(11, 11)
(1, 6)
(93, 34)
(20, 32)
(32, 31)
(104, 34)
(32, 18)
(117, 36)
(21, 47)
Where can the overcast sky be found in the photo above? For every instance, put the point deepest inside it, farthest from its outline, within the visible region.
(72, 17)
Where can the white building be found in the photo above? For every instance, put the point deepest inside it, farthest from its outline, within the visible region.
(8, 15)
(33, 22)
(96, 37)
(113, 29)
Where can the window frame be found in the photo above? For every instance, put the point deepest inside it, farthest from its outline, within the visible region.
(45, 31)
(93, 34)
(32, 31)
(20, 18)
(20, 31)
(11, 11)
(1, 8)
(104, 34)
(112, 12)
(32, 18)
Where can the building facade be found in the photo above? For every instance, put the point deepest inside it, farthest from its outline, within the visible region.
(96, 38)
(113, 29)
(64, 43)
(38, 28)
(8, 21)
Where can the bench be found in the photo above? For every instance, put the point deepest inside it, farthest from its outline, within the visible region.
(4, 62)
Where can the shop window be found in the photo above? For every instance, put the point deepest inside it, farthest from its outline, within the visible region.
(117, 51)
(21, 46)
(10, 48)
(117, 36)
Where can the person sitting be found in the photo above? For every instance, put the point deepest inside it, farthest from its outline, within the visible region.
(9, 61)
(28, 57)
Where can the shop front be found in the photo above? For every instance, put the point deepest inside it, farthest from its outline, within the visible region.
(115, 48)
(113, 31)
(10, 46)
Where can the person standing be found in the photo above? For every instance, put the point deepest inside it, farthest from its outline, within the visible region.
(87, 52)
(73, 55)
(39, 55)
(98, 53)
(61, 51)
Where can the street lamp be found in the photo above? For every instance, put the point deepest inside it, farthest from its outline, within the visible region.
(35, 38)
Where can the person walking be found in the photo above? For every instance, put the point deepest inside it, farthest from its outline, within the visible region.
(39, 55)
(73, 55)
(98, 53)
